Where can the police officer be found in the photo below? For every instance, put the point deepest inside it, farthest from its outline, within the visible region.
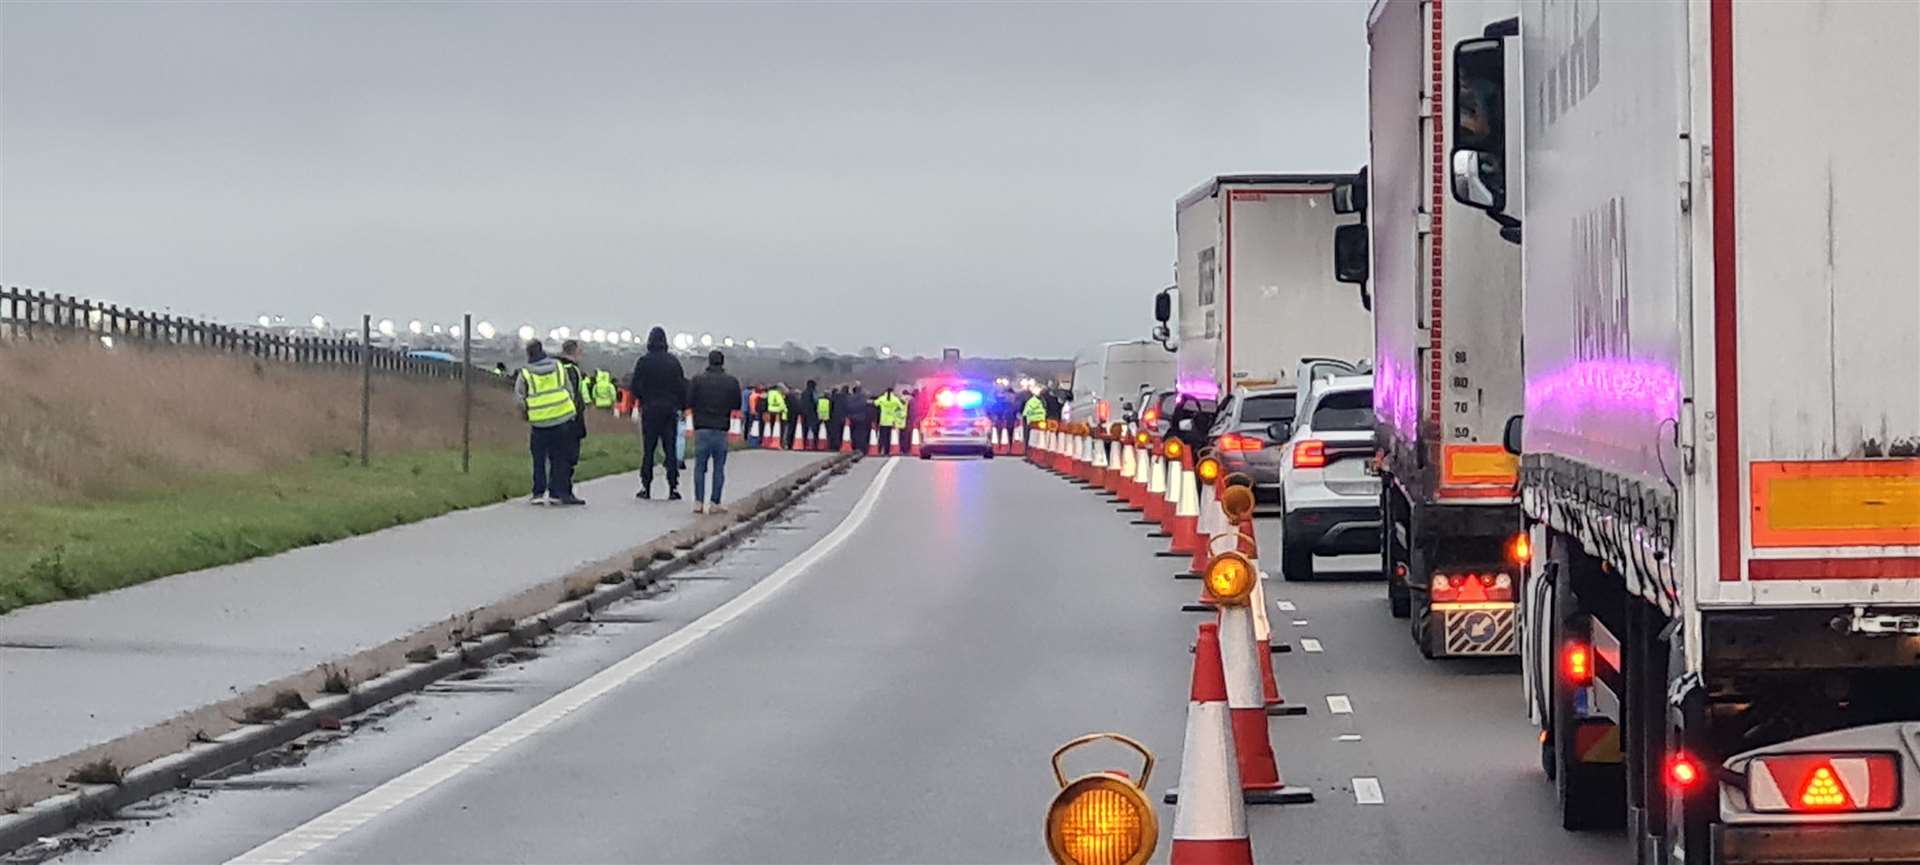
(603, 390)
(547, 391)
(893, 416)
(859, 417)
(777, 413)
(1032, 413)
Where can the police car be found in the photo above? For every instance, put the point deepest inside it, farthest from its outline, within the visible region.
(953, 419)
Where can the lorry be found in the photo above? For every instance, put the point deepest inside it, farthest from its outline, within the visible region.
(1108, 376)
(1720, 442)
(1254, 283)
(1445, 294)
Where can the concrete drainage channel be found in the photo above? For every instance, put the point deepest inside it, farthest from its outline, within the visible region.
(430, 655)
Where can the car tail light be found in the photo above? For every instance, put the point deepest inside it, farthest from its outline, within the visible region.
(1576, 664)
(1238, 442)
(1824, 783)
(1310, 454)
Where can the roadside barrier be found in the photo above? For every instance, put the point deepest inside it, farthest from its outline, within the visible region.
(1184, 523)
(1210, 815)
(1240, 653)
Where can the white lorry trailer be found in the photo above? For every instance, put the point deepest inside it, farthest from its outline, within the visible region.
(1254, 278)
(1108, 376)
(1721, 438)
(1445, 290)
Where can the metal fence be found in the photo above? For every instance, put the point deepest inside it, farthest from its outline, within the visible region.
(33, 315)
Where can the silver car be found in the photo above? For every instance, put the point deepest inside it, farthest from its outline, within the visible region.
(1242, 436)
(1329, 499)
(956, 422)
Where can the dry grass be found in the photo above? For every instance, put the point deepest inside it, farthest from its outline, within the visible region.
(84, 422)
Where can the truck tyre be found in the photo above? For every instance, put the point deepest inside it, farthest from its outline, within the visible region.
(1398, 602)
(1420, 623)
(987, 454)
(1589, 796)
(1393, 557)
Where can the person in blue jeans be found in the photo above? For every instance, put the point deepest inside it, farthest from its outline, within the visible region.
(712, 395)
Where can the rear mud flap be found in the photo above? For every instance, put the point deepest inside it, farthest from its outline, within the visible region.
(1480, 632)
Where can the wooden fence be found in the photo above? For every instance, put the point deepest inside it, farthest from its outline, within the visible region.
(33, 315)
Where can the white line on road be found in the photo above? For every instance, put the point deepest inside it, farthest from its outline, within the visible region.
(1284, 606)
(1347, 737)
(1366, 791)
(1310, 644)
(327, 827)
(1299, 623)
(1339, 704)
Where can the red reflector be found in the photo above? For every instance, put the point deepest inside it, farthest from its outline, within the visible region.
(1824, 783)
(1576, 663)
(1310, 454)
(1683, 772)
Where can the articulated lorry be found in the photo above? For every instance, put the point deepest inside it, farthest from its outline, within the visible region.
(1445, 294)
(1255, 283)
(1720, 448)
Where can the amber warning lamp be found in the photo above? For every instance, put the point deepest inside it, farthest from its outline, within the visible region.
(1237, 503)
(1230, 577)
(1102, 818)
(1208, 468)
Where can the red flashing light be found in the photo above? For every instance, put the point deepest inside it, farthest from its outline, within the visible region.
(1576, 664)
(1683, 772)
(1520, 549)
(1310, 454)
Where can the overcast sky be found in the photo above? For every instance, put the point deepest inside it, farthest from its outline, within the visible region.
(995, 177)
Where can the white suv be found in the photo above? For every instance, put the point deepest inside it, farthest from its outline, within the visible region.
(1329, 499)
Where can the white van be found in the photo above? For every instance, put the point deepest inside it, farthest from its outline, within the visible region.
(1109, 377)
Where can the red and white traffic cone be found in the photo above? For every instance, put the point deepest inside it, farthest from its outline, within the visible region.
(1156, 493)
(1263, 641)
(1210, 814)
(1097, 468)
(1183, 523)
(1247, 707)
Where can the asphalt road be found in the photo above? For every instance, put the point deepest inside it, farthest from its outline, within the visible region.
(896, 702)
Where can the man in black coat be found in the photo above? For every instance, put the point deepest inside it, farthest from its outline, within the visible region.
(808, 411)
(661, 386)
(836, 418)
(859, 417)
(714, 395)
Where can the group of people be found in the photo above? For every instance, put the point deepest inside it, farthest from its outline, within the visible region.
(825, 418)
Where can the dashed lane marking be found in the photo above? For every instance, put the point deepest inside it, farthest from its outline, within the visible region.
(1299, 623)
(1338, 704)
(1310, 644)
(362, 809)
(1366, 791)
(1283, 606)
(1347, 737)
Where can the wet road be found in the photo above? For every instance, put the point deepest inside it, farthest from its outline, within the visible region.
(894, 702)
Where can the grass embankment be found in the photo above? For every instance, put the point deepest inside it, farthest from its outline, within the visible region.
(119, 467)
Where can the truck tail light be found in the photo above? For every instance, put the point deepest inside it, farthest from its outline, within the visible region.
(1683, 772)
(1824, 783)
(1576, 664)
(1310, 454)
(1520, 549)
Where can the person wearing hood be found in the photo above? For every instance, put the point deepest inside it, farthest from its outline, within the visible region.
(549, 397)
(661, 386)
(809, 412)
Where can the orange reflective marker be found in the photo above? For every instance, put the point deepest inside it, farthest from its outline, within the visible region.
(1230, 578)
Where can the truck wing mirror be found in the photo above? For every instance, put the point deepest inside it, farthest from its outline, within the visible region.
(1163, 306)
(1350, 254)
(1510, 438)
(1471, 183)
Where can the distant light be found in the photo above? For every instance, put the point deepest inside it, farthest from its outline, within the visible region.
(526, 332)
(437, 330)
(555, 333)
(265, 321)
(562, 332)
(319, 322)
(454, 331)
(386, 327)
(683, 341)
(416, 327)
(626, 336)
(591, 335)
(752, 344)
(728, 342)
(706, 340)
(886, 351)
(484, 329)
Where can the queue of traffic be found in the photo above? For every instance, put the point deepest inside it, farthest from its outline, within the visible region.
(1626, 390)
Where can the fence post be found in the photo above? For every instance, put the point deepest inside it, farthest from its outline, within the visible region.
(366, 386)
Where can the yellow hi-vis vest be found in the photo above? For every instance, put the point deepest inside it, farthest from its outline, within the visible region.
(603, 389)
(1034, 412)
(777, 403)
(826, 408)
(893, 411)
(548, 401)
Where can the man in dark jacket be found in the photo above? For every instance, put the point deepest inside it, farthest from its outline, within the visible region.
(859, 417)
(808, 411)
(836, 418)
(661, 385)
(713, 395)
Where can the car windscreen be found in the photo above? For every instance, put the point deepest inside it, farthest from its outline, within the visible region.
(1344, 411)
(1262, 410)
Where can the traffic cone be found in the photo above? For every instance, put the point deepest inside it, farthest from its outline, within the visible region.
(1184, 523)
(1170, 500)
(1263, 639)
(1097, 468)
(1125, 476)
(1210, 814)
(1016, 445)
(734, 432)
(1247, 710)
(1118, 454)
(1142, 469)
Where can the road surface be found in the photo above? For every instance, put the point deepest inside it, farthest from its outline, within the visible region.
(895, 702)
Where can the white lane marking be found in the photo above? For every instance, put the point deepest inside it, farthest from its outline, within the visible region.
(1299, 623)
(1284, 606)
(1366, 791)
(1310, 644)
(321, 830)
(1347, 737)
(1338, 704)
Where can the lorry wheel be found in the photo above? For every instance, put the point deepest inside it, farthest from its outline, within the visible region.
(1420, 624)
(1296, 558)
(1398, 601)
(987, 454)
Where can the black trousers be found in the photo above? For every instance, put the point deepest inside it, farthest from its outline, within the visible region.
(552, 469)
(788, 426)
(835, 431)
(657, 429)
(886, 441)
(809, 432)
(861, 436)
